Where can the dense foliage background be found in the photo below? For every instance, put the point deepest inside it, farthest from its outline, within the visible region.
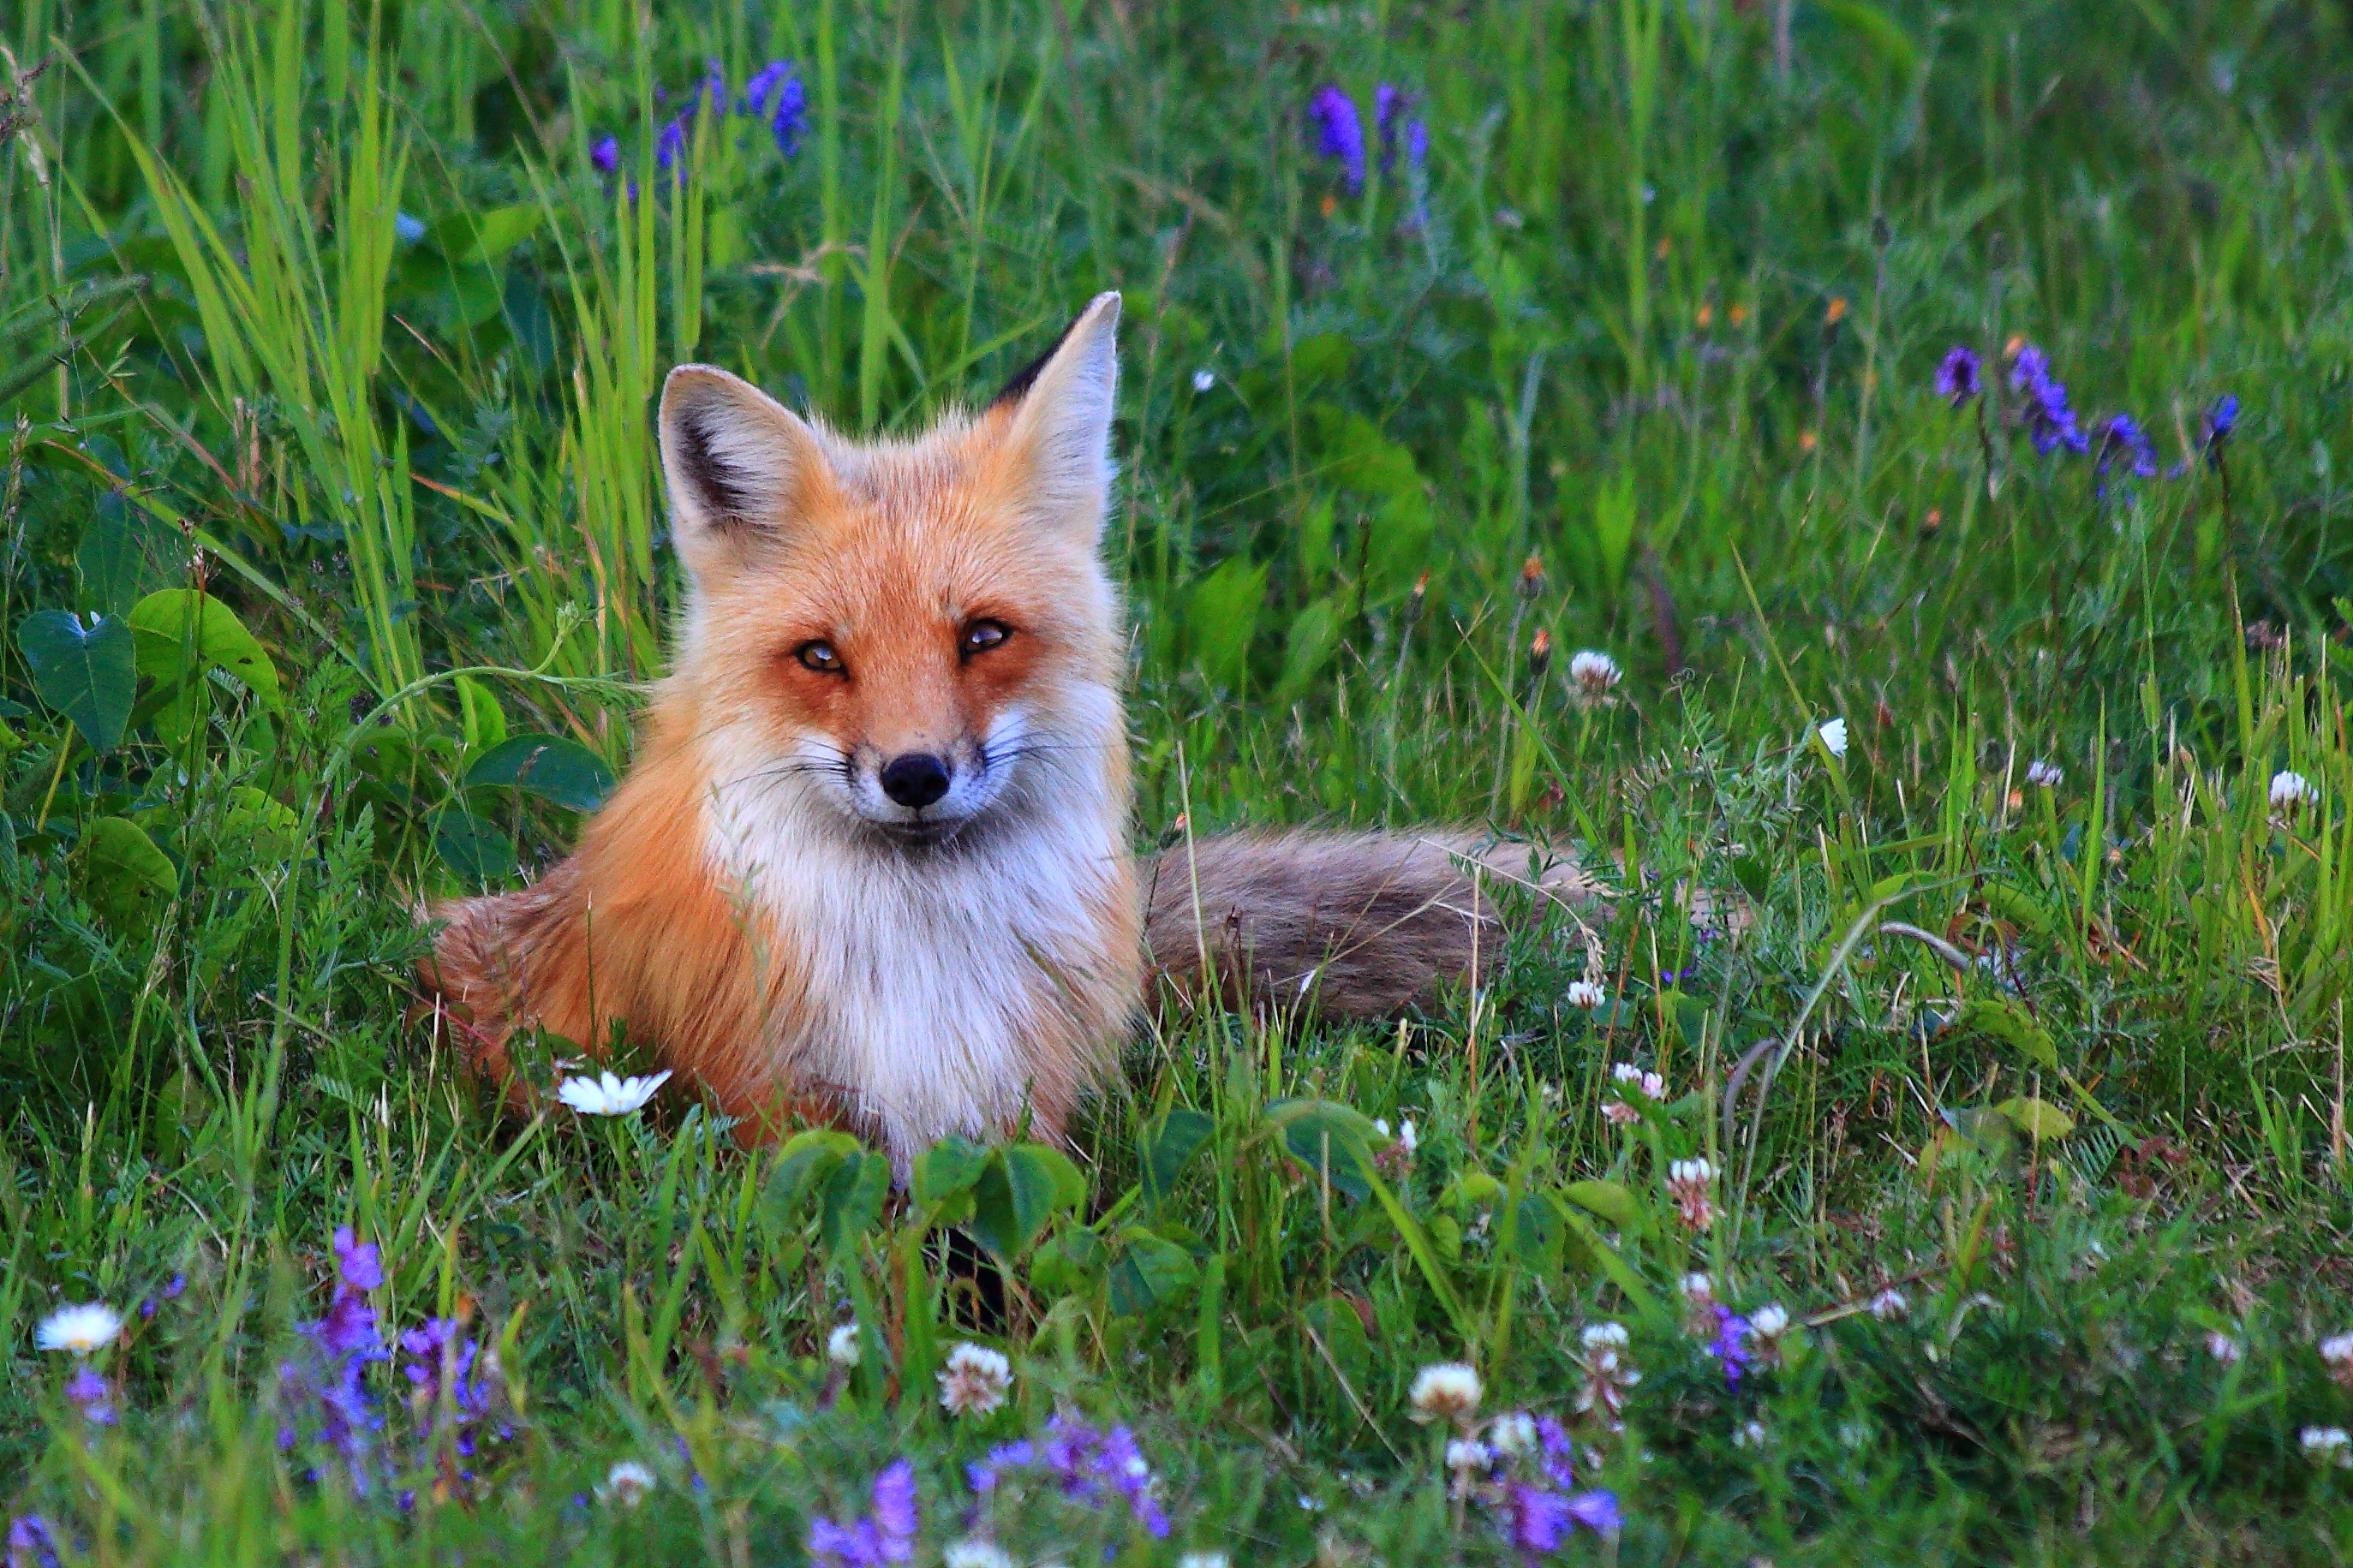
(1458, 338)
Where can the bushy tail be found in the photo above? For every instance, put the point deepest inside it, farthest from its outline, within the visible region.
(1361, 923)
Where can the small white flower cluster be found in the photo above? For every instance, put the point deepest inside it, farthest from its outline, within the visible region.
(841, 1346)
(1768, 1325)
(975, 1381)
(1446, 1391)
(2044, 775)
(1405, 1141)
(1584, 994)
(627, 1483)
(2289, 790)
(1689, 1183)
(606, 1095)
(2224, 1349)
(1750, 1435)
(2328, 1445)
(1889, 1305)
(1834, 736)
(1469, 1460)
(1595, 673)
(79, 1329)
(2336, 1353)
(1609, 1377)
(1620, 1112)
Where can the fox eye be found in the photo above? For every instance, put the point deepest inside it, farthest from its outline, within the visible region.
(982, 635)
(819, 655)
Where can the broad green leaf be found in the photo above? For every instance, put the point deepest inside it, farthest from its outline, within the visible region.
(1609, 1200)
(2037, 1118)
(1069, 1264)
(474, 849)
(2006, 1020)
(1221, 620)
(802, 1166)
(1150, 1271)
(90, 674)
(1537, 1233)
(125, 877)
(1331, 1140)
(1018, 1193)
(1168, 1145)
(1337, 1323)
(947, 1167)
(562, 771)
(478, 239)
(851, 1200)
(126, 552)
(480, 720)
(182, 631)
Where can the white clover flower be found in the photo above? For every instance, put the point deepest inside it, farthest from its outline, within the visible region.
(1309, 1504)
(1595, 672)
(2337, 1350)
(974, 1554)
(1466, 1457)
(1696, 1169)
(2044, 775)
(1513, 1432)
(1769, 1321)
(1447, 1391)
(1381, 1125)
(81, 1330)
(2327, 1444)
(2290, 789)
(1889, 1305)
(1584, 994)
(1687, 1182)
(2223, 1347)
(1204, 1559)
(841, 1346)
(1407, 1138)
(627, 1483)
(1604, 1337)
(1699, 1290)
(1749, 1434)
(1833, 734)
(1204, 379)
(606, 1095)
(975, 1380)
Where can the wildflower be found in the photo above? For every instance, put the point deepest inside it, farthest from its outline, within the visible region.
(1956, 376)
(974, 1554)
(767, 80)
(2044, 775)
(1539, 653)
(1699, 1290)
(791, 116)
(1087, 1463)
(1446, 1391)
(1769, 1321)
(1468, 1458)
(1608, 1379)
(82, 1328)
(1339, 132)
(841, 1345)
(1542, 1519)
(1836, 312)
(887, 1535)
(2327, 1444)
(1406, 1139)
(1204, 379)
(671, 141)
(1584, 994)
(30, 1544)
(1833, 734)
(1204, 1559)
(627, 1483)
(2337, 1351)
(1730, 1345)
(321, 1389)
(1749, 1434)
(606, 155)
(1400, 130)
(1687, 1182)
(1595, 673)
(2048, 422)
(2224, 1349)
(975, 1381)
(1604, 1336)
(1533, 580)
(1889, 1305)
(1513, 1434)
(2291, 790)
(406, 229)
(606, 1095)
(447, 1365)
(2220, 420)
(2121, 438)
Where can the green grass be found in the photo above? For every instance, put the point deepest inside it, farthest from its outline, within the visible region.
(325, 312)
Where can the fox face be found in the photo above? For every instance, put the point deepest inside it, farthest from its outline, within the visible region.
(910, 642)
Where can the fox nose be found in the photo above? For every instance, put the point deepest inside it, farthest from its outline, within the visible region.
(915, 780)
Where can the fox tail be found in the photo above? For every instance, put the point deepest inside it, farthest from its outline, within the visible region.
(1362, 924)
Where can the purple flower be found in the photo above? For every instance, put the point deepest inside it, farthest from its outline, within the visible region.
(606, 155)
(1956, 376)
(765, 81)
(444, 1361)
(2048, 421)
(88, 1392)
(1339, 131)
(30, 1544)
(1088, 1463)
(792, 114)
(2220, 420)
(1542, 1519)
(2122, 437)
(888, 1536)
(359, 1265)
(1394, 126)
(1558, 1456)
(1730, 1345)
(671, 142)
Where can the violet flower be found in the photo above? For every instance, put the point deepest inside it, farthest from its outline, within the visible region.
(2122, 437)
(888, 1535)
(1339, 131)
(87, 1391)
(443, 1361)
(2048, 421)
(1088, 1463)
(1397, 126)
(1958, 379)
(606, 156)
(30, 1544)
(2220, 420)
(1730, 1345)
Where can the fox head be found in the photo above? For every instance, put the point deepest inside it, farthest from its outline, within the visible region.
(914, 638)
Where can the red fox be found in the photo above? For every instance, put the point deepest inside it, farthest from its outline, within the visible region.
(872, 867)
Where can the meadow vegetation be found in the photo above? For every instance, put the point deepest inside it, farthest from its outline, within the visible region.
(1934, 1149)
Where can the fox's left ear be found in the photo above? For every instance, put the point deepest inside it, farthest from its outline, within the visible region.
(1058, 429)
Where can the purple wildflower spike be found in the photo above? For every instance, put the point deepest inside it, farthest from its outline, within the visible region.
(1088, 1463)
(888, 1536)
(2048, 421)
(1730, 1345)
(606, 155)
(87, 1391)
(2220, 420)
(2122, 437)
(1956, 376)
(30, 1544)
(1339, 131)
(791, 116)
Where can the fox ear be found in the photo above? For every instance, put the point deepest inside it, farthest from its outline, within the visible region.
(1059, 421)
(739, 464)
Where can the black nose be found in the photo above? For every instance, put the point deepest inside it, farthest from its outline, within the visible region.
(915, 780)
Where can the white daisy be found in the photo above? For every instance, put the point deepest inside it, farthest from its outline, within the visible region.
(81, 1330)
(606, 1095)
(1833, 734)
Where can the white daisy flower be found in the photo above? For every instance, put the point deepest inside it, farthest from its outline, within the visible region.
(841, 1346)
(1447, 1391)
(606, 1095)
(82, 1328)
(975, 1380)
(2292, 789)
(627, 1483)
(1833, 734)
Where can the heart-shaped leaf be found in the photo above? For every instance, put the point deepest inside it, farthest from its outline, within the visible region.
(949, 1166)
(1331, 1140)
(475, 849)
(124, 877)
(1168, 1145)
(1610, 1200)
(851, 1200)
(564, 773)
(802, 1166)
(182, 631)
(1018, 1193)
(90, 674)
(1150, 1271)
